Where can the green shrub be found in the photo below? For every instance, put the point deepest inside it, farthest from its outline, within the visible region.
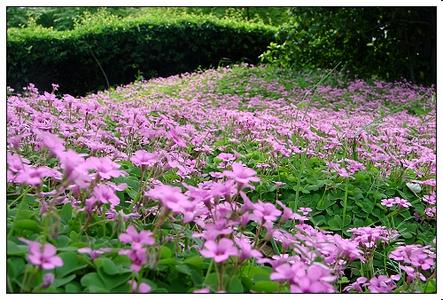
(98, 53)
(384, 42)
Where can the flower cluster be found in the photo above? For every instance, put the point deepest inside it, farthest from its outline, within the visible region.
(138, 241)
(396, 201)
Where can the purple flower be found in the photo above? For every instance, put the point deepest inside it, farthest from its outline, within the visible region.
(104, 194)
(43, 256)
(431, 211)
(137, 239)
(143, 288)
(265, 212)
(428, 199)
(137, 256)
(242, 175)
(415, 255)
(245, 249)
(396, 201)
(48, 279)
(201, 291)
(105, 167)
(52, 142)
(368, 237)
(219, 251)
(142, 158)
(381, 284)
(171, 197)
(357, 285)
(31, 176)
(176, 138)
(94, 253)
(75, 169)
(302, 278)
(226, 156)
(16, 164)
(288, 214)
(304, 210)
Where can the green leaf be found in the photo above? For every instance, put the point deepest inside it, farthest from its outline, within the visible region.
(66, 213)
(183, 269)
(62, 241)
(14, 249)
(15, 267)
(196, 261)
(335, 223)
(112, 281)
(211, 281)
(58, 282)
(167, 261)
(265, 286)
(235, 285)
(71, 262)
(165, 252)
(92, 280)
(27, 224)
(72, 287)
(108, 266)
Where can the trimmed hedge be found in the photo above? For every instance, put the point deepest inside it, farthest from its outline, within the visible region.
(125, 48)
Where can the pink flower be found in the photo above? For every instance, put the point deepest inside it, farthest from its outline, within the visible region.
(304, 210)
(142, 158)
(430, 199)
(137, 256)
(133, 237)
(388, 202)
(302, 278)
(104, 194)
(357, 285)
(142, 288)
(105, 167)
(176, 138)
(43, 256)
(265, 212)
(16, 164)
(416, 255)
(31, 176)
(171, 197)
(48, 279)
(75, 169)
(242, 175)
(52, 142)
(431, 211)
(219, 251)
(226, 156)
(381, 284)
(201, 291)
(412, 274)
(246, 250)
(396, 201)
(94, 253)
(288, 214)
(368, 237)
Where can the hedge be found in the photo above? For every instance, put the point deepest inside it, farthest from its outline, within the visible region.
(125, 48)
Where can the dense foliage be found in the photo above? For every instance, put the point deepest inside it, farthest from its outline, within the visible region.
(239, 179)
(107, 50)
(390, 43)
(65, 18)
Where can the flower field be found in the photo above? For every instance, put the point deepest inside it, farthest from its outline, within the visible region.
(241, 179)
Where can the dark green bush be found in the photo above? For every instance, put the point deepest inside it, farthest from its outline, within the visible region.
(387, 42)
(99, 53)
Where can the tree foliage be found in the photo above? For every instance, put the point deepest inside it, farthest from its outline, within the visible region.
(390, 43)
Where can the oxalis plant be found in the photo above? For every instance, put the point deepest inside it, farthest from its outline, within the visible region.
(217, 192)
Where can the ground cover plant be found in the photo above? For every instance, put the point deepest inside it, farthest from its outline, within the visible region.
(238, 179)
